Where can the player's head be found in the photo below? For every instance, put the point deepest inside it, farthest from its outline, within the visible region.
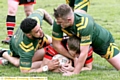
(31, 28)
(64, 15)
(73, 45)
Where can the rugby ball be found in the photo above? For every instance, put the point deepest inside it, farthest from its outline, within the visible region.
(62, 59)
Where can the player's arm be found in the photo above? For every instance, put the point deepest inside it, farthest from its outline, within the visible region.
(57, 36)
(60, 49)
(47, 17)
(86, 40)
(45, 66)
(81, 59)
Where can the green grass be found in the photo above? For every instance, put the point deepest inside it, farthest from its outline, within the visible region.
(104, 12)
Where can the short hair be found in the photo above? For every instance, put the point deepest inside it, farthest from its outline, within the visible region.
(74, 44)
(28, 24)
(62, 11)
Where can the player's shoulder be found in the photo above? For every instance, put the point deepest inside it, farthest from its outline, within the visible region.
(26, 41)
(83, 20)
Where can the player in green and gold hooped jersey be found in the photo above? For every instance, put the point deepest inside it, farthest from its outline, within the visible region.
(78, 5)
(28, 41)
(88, 31)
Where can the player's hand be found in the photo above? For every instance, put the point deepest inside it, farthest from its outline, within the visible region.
(67, 67)
(53, 64)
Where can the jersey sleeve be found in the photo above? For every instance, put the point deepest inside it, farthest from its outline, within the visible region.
(57, 33)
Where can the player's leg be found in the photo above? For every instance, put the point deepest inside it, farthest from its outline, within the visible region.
(28, 9)
(115, 61)
(28, 6)
(10, 20)
(113, 56)
(12, 60)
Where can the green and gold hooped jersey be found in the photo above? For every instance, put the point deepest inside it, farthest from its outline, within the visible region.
(23, 46)
(79, 4)
(85, 28)
(80, 28)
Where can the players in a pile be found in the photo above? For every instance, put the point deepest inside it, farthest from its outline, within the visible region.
(27, 46)
(89, 33)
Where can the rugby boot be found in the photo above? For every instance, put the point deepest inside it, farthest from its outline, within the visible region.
(6, 41)
(3, 61)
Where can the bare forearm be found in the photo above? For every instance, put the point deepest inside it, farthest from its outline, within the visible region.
(78, 68)
(80, 63)
(48, 18)
(60, 49)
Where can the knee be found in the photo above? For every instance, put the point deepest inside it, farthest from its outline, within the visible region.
(28, 9)
(12, 11)
(28, 12)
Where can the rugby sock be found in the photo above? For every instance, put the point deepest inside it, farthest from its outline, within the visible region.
(10, 24)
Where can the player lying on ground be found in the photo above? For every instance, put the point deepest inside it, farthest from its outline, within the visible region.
(72, 45)
(27, 41)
